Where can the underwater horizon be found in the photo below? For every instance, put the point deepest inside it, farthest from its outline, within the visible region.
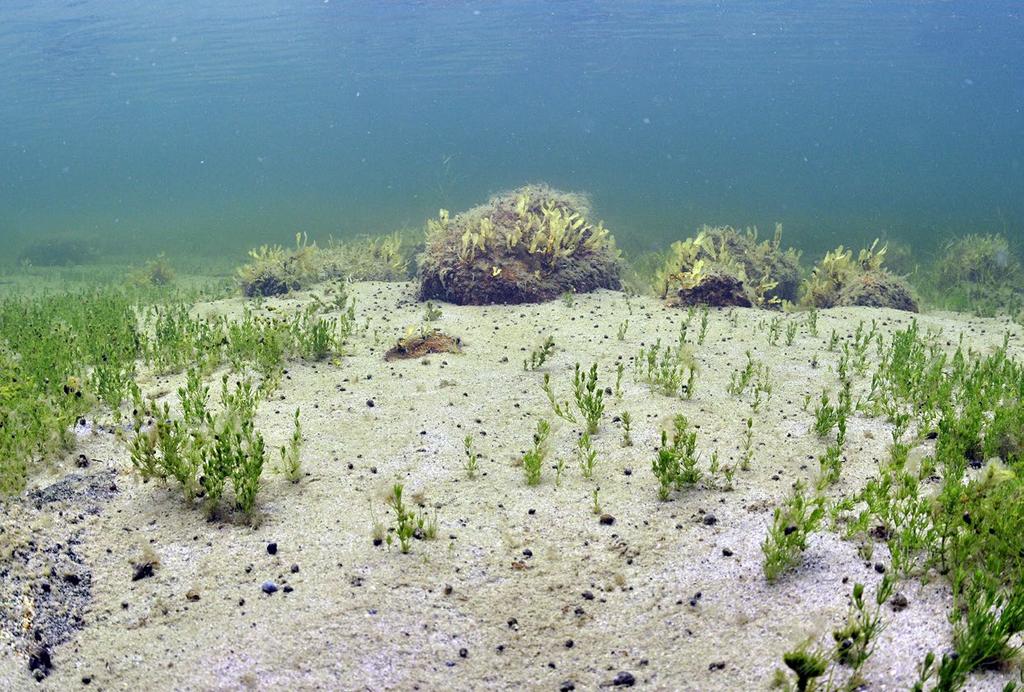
(202, 130)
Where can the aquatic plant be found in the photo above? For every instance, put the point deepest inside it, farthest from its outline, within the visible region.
(291, 464)
(792, 523)
(274, 270)
(431, 313)
(370, 258)
(155, 272)
(676, 464)
(405, 520)
(589, 397)
(59, 355)
(721, 266)
(664, 369)
(980, 273)
(627, 428)
(529, 245)
(587, 456)
(409, 524)
(539, 355)
(840, 280)
(472, 458)
(806, 665)
(533, 460)
(201, 452)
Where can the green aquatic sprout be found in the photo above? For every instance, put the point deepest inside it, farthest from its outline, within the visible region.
(792, 523)
(472, 458)
(540, 355)
(703, 325)
(676, 464)
(748, 444)
(664, 369)
(533, 460)
(589, 397)
(791, 328)
(587, 456)
(431, 313)
(405, 519)
(291, 464)
(627, 427)
(806, 665)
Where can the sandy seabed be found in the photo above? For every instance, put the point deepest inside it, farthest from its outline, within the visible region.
(524, 587)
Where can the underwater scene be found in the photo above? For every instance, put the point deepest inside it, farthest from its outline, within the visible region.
(352, 345)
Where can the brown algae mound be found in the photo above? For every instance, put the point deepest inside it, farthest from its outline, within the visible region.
(724, 267)
(840, 281)
(414, 345)
(273, 270)
(526, 246)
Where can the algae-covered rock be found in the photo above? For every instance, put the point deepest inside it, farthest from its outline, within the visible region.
(525, 246)
(840, 281)
(724, 267)
(273, 270)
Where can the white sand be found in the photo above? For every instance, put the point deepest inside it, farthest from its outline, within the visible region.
(365, 617)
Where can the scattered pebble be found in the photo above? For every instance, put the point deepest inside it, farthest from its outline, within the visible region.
(624, 679)
(269, 587)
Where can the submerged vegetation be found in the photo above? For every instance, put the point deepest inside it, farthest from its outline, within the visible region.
(722, 267)
(840, 280)
(944, 503)
(530, 245)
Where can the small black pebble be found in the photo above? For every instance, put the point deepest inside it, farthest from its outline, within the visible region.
(527, 552)
(624, 679)
(710, 520)
(567, 686)
(463, 653)
(880, 568)
(607, 520)
(448, 589)
(588, 595)
(369, 403)
(269, 587)
(295, 569)
(726, 552)
(272, 548)
(569, 643)
(142, 570)
(288, 588)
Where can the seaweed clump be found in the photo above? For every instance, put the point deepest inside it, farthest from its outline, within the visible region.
(721, 266)
(526, 246)
(840, 281)
(273, 270)
(979, 273)
(418, 344)
(384, 258)
(155, 272)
